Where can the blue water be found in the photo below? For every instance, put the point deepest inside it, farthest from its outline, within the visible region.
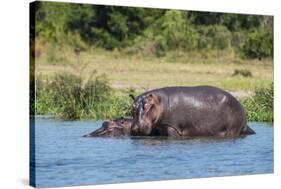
(64, 158)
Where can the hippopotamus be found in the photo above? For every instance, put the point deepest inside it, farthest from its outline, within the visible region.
(113, 128)
(188, 112)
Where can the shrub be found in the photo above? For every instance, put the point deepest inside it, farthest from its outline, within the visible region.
(258, 44)
(68, 96)
(177, 31)
(213, 37)
(169, 32)
(260, 106)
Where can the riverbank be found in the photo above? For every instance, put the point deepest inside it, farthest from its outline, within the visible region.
(70, 97)
(66, 81)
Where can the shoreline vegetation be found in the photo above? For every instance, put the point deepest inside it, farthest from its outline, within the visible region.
(88, 58)
(70, 97)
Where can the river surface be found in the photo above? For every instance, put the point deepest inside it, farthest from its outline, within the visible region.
(64, 158)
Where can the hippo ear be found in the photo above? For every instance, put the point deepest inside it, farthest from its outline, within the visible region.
(152, 100)
(153, 108)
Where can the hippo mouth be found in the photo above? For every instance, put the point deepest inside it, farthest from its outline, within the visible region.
(106, 130)
(99, 132)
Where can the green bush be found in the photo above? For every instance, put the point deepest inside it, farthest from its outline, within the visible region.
(177, 31)
(259, 44)
(69, 97)
(213, 37)
(169, 32)
(260, 107)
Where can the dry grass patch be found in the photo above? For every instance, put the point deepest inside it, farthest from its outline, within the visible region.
(126, 72)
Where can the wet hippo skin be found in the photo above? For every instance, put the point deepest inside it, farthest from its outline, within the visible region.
(188, 112)
(113, 128)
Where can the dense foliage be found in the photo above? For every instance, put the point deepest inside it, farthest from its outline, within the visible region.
(153, 30)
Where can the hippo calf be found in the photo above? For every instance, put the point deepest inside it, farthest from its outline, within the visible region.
(188, 112)
(113, 128)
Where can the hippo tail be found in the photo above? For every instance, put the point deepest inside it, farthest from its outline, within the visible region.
(247, 131)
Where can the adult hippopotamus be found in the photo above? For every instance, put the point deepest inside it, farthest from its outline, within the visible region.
(113, 128)
(188, 112)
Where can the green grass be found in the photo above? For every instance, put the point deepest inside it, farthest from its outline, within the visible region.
(260, 106)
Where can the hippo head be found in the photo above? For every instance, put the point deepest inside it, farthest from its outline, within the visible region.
(147, 109)
(113, 128)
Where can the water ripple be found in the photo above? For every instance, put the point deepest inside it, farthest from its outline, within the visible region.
(64, 158)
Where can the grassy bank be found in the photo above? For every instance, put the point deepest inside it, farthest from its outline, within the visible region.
(69, 97)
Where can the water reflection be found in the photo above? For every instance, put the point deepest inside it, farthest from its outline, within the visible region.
(164, 141)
